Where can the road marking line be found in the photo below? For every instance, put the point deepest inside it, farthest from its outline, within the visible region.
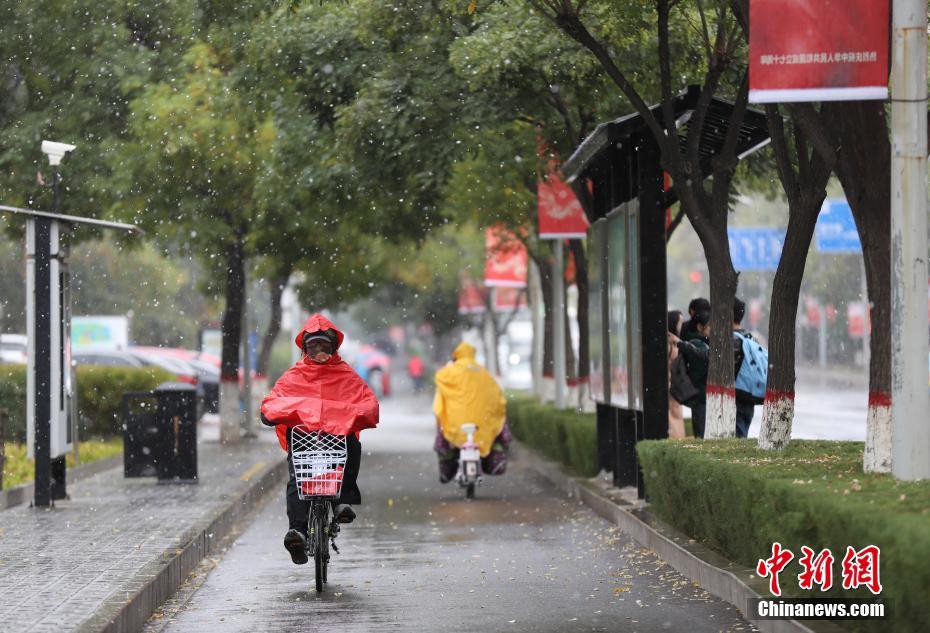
(252, 471)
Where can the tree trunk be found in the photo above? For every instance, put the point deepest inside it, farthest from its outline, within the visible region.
(545, 279)
(778, 412)
(804, 179)
(864, 170)
(278, 284)
(230, 412)
(581, 281)
(232, 317)
(569, 346)
(721, 395)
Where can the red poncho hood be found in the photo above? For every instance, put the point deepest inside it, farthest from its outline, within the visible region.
(321, 396)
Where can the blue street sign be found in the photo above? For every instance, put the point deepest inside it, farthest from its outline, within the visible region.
(836, 230)
(756, 248)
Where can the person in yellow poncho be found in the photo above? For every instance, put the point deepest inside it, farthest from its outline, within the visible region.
(467, 393)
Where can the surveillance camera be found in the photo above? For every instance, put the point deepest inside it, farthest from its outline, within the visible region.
(56, 151)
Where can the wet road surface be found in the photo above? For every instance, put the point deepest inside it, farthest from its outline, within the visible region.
(520, 557)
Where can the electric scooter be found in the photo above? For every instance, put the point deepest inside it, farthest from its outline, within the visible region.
(469, 475)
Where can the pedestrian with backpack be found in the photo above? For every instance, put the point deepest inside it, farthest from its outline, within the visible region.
(695, 352)
(751, 371)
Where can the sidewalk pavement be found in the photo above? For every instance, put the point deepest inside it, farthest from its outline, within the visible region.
(708, 569)
(103, 560)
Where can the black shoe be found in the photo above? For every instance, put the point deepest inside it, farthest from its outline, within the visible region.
(344, 513)
(296, 544)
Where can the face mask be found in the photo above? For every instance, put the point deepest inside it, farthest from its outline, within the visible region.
(318, 351)
(321, 357)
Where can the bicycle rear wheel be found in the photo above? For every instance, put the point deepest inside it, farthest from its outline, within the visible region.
(325, 547)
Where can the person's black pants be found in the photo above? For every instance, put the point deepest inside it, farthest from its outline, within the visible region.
(298, 510)
(698, 417)
(744, 413)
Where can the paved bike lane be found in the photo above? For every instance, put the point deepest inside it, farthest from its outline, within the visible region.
(521, 557)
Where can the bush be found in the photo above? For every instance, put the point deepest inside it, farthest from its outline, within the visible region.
(739, 500)
(13, 402)
(566, 436)
(18, 469)
(99, 397)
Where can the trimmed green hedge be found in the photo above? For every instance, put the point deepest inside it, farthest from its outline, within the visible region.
(100, 393)
(566, 436)
(739, 500)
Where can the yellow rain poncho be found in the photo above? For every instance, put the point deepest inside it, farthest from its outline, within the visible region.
(467, 393)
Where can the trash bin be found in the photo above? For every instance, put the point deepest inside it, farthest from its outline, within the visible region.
(140, 434)
(176, 460)
(211, 395)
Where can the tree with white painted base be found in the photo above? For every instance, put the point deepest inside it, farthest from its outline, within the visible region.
(804, 174)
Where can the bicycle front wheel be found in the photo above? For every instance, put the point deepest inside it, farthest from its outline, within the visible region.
(320, 545)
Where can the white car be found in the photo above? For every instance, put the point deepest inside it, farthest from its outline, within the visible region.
(13, 348)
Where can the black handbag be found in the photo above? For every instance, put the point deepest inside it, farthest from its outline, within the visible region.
(681, 388)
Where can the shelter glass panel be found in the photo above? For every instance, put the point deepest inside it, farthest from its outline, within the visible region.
(618, 308)
(597, 235)
(634, 315)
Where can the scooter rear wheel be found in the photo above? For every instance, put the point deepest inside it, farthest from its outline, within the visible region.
(470, 491)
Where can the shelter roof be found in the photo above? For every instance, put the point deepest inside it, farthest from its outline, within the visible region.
(592, 152)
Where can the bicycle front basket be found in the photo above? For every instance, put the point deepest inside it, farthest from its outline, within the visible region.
(319, 462)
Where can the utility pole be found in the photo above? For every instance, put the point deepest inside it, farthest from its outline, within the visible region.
(910, 426)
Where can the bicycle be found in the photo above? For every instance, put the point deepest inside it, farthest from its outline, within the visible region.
(319, 461)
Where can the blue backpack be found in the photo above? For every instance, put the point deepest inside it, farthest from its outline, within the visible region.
(754, 372)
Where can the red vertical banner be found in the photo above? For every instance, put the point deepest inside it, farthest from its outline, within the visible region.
(818, 50)
(856, 319)
(471, 297)
(755, 313)
(509, 299)
(812, 309)
(506, 259)
(560, 213)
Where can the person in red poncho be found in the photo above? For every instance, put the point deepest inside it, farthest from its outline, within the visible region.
(320, 392)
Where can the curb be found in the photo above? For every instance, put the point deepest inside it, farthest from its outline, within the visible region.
(714, 573)
(24, 493)
(161, 579)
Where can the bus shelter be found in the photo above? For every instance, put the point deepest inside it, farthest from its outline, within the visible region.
(617, 170)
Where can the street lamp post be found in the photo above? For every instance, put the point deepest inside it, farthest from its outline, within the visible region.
(49, 473)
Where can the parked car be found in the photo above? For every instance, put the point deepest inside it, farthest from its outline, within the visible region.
(205, 369)
(106, 358)
(14, 348)
(133, 357)
(182, 371)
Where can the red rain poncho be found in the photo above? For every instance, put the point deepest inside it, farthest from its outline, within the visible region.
(326, 396)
